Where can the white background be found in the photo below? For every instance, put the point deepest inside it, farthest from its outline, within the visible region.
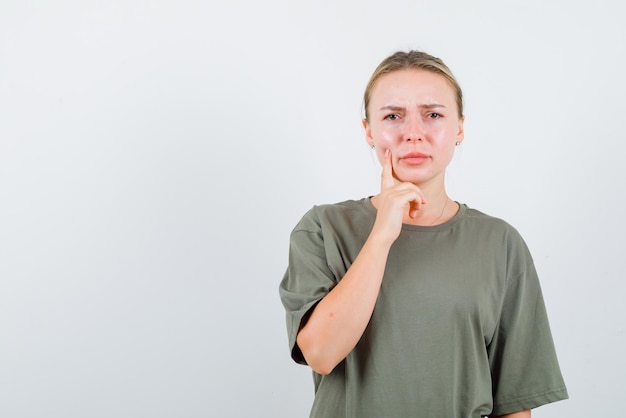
(154, 157)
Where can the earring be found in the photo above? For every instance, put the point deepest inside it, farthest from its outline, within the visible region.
(457, 144)
(373, 147)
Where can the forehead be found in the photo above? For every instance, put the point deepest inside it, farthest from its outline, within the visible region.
(413, 85)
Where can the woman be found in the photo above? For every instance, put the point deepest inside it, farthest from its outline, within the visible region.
(409, 304)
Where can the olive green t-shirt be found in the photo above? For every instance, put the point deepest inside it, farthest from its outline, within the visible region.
(459, 329)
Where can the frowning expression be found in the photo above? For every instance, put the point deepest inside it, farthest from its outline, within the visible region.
(414, 114)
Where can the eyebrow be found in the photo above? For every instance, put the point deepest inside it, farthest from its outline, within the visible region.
(422, 106)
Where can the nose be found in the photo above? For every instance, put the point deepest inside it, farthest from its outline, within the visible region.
(414, 130)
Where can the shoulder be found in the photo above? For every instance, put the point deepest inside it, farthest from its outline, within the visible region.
(349, 212)
(484, 219)
(500, 237)
(480, 220)
(496, 230)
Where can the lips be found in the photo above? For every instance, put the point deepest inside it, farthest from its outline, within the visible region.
(414, 158)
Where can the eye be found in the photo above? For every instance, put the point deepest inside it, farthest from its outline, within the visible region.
(392, 116)
(434, 115)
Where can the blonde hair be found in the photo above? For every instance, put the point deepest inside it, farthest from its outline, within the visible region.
(413, 60)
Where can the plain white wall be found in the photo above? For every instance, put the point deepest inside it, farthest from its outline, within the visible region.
(154, 157)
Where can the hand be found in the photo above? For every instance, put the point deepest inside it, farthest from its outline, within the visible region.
(395, 199)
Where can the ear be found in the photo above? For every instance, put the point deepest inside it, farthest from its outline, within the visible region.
(368, 133)
(460, 133)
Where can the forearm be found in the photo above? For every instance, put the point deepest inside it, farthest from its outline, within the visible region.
(340, 318)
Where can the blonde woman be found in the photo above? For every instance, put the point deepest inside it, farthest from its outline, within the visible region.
(408, 303)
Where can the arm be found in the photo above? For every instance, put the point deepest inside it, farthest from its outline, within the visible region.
(340, 318)
(520, 414)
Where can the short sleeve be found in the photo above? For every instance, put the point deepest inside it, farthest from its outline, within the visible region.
(524, 366)
(307, 280)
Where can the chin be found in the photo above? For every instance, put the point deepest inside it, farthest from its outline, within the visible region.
(416, 178)
(413, 179)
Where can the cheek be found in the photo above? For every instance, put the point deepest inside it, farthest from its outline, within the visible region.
(444, 135)
(380, 154)
(439, 131)
(383, 138)
(381, 148)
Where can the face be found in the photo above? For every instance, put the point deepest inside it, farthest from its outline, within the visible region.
(413, 113)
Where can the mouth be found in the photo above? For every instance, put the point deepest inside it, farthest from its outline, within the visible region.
(414, 158)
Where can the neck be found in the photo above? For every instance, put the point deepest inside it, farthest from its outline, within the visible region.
(438, 209)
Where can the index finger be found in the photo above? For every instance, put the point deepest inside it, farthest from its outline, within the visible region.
(387, 178)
